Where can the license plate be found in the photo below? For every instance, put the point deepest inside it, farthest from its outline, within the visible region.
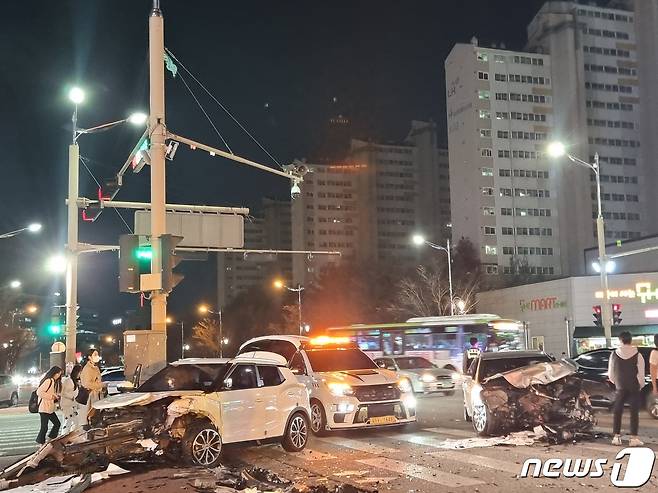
(383, 420)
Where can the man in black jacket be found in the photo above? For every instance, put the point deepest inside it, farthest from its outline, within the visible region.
(626, 372)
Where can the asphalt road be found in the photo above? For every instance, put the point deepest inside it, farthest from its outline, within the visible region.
(398, 460)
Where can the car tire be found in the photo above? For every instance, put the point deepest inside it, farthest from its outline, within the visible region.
(652, 405)
(483, 421)
(202, 444)
(318, 419)
(467, 418)
(296, 435)
(13, 402)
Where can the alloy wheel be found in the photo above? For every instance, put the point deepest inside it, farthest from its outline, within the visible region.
(206, 447)
(298, 432)
(316, 417)
(479, 417)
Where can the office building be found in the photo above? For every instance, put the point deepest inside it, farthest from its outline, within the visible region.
(502, 186)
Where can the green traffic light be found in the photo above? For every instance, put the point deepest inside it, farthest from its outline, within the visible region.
(55, 329)
(144, 253)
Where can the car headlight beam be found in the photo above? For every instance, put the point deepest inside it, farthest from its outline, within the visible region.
(427, 378)
(340, 389)
(405, 385)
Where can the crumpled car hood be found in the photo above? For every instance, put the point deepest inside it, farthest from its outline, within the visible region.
(361, 377)
(140, 398)
(538, 374)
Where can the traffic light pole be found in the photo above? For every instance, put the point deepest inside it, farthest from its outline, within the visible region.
(72, 246)
(158, 134)
(606, 309)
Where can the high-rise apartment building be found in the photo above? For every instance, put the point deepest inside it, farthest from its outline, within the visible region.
(596, 104)
(270, 229)
(368, 205)
(502, 186)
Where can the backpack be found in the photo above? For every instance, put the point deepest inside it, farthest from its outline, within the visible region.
(33, 403)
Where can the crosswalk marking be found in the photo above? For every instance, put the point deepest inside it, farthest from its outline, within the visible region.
(358, 445)
(421, 472)
(478, 460)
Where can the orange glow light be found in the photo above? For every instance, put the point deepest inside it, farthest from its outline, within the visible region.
(325, 340)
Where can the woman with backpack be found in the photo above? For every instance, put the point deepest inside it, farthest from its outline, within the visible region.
(68, 404)
(47, 392)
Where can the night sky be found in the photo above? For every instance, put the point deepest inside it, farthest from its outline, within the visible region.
(283, 68)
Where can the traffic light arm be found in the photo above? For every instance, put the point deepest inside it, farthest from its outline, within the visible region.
(294, 176)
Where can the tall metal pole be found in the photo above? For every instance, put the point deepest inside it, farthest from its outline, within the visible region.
(182, 340)
(72, 245)
(606, 309)
(299, 308)
(221, 336)
(452, 304)
(157, 131)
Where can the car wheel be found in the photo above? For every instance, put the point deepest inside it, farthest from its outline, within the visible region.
(483, 420)
(318, 419)
(202, 444)
(652, 405)
(296, 436)
(467, 418)
(14, 400)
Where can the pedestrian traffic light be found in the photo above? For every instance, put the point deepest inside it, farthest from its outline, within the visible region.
(169, 261)
(616, 314)
(134, 260)
(142, 156)
(598, 321)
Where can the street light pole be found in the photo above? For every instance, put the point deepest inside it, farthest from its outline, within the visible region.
(419, 240)
(279, 284)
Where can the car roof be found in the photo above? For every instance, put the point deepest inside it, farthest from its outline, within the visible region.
(491, 355)
(261, 357)
(201, 361)
(641, 349)
(297, 341)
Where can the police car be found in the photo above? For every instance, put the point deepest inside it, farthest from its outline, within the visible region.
(346, 388)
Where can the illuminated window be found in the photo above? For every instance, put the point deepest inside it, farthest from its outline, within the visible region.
(487, 171)
(490, 250)
(483, 95)
(485, 114)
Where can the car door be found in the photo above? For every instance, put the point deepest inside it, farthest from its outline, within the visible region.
(241, 405)
(468, 384)
(275, 404)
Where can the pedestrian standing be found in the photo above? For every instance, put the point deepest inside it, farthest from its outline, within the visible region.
(471, 353)
(653, 366)
(68, 403)
(47, 392)
(90, 381)
(626, 372)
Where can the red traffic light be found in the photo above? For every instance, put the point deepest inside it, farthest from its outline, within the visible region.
(616, 307)
(597, 309)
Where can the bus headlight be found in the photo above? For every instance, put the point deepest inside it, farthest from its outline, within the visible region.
(405, 385)
(340, 389)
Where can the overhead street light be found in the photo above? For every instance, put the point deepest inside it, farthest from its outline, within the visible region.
(205, 309)
(56, 264)
(32, 228)
(76, 95)
(279, 284)
(15, 284)
(610, 266)
(557, 150)
(419, 240)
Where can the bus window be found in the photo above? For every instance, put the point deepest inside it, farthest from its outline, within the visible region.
(392, 343)
(368, 342)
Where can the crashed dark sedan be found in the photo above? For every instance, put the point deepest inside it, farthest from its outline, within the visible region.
(516, 390)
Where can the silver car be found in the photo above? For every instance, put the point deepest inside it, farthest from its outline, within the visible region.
(425, 376)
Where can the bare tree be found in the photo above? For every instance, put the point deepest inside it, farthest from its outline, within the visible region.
(206, 334)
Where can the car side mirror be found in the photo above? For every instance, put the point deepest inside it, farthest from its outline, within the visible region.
(297, 371)
(227, 384)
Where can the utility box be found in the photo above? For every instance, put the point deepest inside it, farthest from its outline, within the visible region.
(145, 347)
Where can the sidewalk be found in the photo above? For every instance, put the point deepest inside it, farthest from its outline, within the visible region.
(14, 410)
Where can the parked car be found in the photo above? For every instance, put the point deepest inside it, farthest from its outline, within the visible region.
(198, 405)
(486, 366)
(112, 379)
(425, 376)
(593, 368)
(347, 389)
(8, 391)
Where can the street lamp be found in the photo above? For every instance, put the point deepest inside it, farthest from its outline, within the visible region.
(420, 240)
(76, 95)
(205, 309)
(279, 284)
(557, 150)
(32, 228)
(15, 284)
(56, 264)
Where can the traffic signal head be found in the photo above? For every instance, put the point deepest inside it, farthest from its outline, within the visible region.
(54, 329)
(598, 321)
(142, 156)
(134, 260)
(169, 261)
(616, 314)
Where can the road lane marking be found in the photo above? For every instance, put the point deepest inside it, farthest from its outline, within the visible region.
(358, 445)
(478, 460)
(421, 472)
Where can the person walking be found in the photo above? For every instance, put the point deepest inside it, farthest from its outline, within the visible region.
(90, 381)
(626, 372)
(68, 404)
(653, 366)
(47, 393)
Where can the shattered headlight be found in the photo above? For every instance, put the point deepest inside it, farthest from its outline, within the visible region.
(427, 378)
(340, 389)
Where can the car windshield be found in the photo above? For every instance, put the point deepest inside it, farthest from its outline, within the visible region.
(339, 360)
(414, 363)
(184, 377)
(493, 366)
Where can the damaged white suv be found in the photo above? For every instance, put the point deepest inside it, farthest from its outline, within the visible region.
(202, 404)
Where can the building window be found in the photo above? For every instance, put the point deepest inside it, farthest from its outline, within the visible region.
(489, 230)
(508, 250)
(506, 211)
(485, 132)
(501, 77)
(507, 231)
(487, 171)
(490, 250)
(483, 75)
(504, 172)
(502, 134)
(486, 152)
(485, 114)
(501, 96)
(488, 191)
(483, 57)
(499, 58)
(488, 211)
(483, 95)
(491, 269)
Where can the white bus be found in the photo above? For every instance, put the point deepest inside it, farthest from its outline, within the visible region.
(442, 340)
